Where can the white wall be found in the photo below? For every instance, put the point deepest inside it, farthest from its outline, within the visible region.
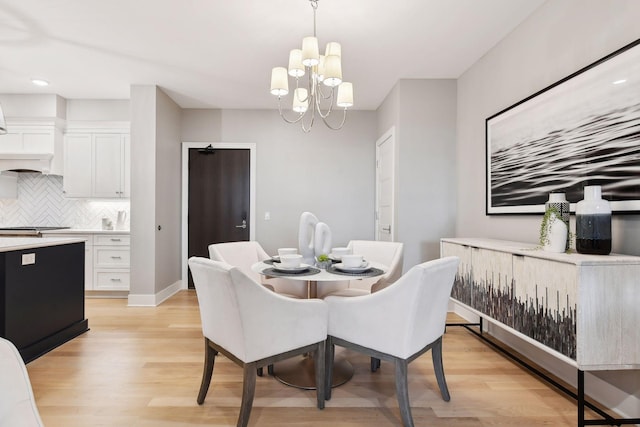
(561, 37)
(423, 113)
(329, 173)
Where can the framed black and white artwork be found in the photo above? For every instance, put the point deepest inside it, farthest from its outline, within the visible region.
(582, 130)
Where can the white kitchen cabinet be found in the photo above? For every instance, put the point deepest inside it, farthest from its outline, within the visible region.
(32, 144)
(110, 174)
(96, 165)
(78, 156)
(111, 262)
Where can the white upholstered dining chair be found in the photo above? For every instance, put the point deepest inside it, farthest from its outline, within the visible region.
(389, 254)
(398, 324)
(246, 253)
(17, 404)
(253, 327)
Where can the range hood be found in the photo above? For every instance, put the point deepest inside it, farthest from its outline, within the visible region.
(21, 162)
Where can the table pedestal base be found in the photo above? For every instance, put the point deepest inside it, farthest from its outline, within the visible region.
(300, 372)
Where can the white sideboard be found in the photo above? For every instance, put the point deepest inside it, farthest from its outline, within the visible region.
(584, 309)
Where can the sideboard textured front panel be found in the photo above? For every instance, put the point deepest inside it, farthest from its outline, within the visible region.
(545, 302)
(584, 307)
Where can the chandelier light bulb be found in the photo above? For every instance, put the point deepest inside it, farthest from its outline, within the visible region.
(310, 53)
(320, 69)
(345, 95)
(296, 69)
(279, 81)
(332, 71)
(300, 100)
(333, 48)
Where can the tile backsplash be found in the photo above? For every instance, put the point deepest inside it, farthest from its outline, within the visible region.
(41, 202)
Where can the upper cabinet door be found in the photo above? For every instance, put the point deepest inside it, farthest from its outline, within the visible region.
(108, 165)
(77, 180)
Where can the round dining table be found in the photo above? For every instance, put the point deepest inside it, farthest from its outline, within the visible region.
(300, 372)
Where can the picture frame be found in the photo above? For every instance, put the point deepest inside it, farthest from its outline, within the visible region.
(582, 130)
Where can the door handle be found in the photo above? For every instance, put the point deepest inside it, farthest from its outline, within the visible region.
(244, 224)
(387, 229)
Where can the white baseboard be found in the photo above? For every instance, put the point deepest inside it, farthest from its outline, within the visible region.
(155, 299)
(616, 390)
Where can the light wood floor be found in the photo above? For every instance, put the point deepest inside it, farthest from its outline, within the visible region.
(142, 367)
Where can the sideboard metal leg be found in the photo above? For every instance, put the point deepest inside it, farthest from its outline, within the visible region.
(580, 398)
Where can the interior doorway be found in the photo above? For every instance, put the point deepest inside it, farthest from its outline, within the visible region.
(218, 197)
(385, 187)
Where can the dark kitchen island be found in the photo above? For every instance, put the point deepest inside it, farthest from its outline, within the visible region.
(41, 293)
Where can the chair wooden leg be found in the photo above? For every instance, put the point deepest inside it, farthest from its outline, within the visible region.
(375, 364)
(402, 390)
(248, 391)
(328, 371)
(436, 355)
(320, 366)
(209, 360)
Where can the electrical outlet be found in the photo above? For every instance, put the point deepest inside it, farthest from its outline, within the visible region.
(267, 216)
(28, 259)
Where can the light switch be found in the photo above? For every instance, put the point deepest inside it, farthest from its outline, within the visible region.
(28, 259)
(267, 216)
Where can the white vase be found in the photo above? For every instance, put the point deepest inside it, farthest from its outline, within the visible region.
(559, 202)
(557, 233)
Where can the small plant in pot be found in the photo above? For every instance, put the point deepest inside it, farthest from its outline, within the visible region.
(553, 231)
(323, 261)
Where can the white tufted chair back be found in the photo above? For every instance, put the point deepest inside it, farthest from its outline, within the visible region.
(247, 319)
(387, 253)
(402, 318)
(243, 255)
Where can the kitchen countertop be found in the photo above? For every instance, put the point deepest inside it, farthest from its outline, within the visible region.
(85, 231)
(8, 244)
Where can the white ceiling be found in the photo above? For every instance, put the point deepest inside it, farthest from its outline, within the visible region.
(219, 53)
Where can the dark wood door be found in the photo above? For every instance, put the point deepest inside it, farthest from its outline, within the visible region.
(219, 185)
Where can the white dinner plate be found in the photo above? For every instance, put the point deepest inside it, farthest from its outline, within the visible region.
(279, 267)
(359, 269)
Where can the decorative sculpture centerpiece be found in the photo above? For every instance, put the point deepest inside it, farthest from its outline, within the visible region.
(314, 238)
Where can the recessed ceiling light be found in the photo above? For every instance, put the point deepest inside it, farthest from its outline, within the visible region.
(617, 82)
(40, 82)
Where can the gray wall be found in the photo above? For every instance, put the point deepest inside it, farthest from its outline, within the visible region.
(117, 110)
(143, 195)
(155, 194)
(33, 105)
(558, 39)
(329, 173)
(423, 113)
(561, 37)
(167, 190)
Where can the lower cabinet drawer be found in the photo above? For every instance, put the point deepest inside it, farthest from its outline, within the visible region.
(111, 280)
(110, 257)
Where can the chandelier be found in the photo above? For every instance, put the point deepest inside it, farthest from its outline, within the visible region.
(324, 86)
